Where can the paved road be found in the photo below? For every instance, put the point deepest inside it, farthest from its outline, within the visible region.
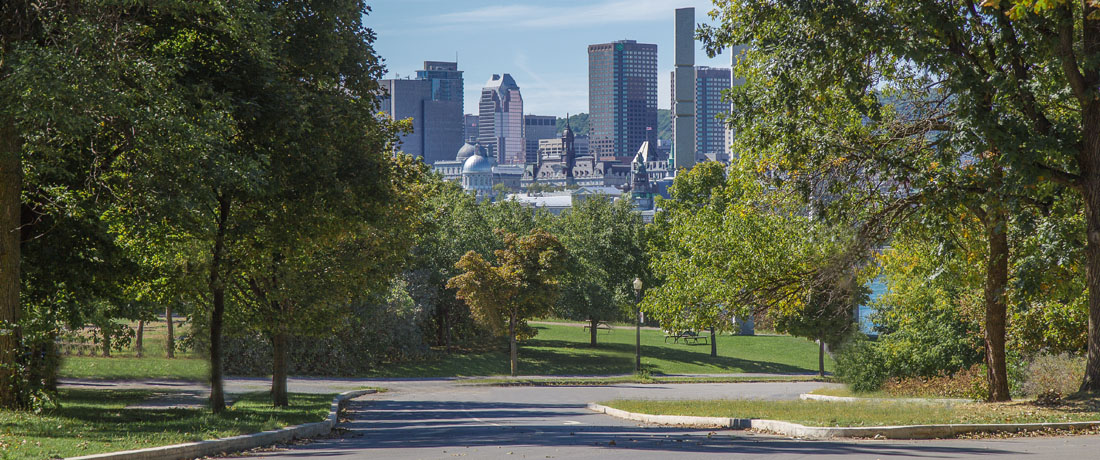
(442, 420)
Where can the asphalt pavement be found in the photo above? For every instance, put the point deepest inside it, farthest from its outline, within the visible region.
(444, 419)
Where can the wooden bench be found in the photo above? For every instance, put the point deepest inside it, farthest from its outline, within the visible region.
(602, 325)
(687, 337)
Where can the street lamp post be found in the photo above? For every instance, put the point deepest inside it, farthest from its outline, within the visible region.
(638, 325)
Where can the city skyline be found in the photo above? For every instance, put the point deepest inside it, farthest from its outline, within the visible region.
(545, 49)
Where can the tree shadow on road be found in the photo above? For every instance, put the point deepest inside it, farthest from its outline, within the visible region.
(403, 425)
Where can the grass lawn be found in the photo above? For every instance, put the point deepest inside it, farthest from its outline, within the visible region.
(820, 413)
(119, 368)
(564, 350)
(91, 422)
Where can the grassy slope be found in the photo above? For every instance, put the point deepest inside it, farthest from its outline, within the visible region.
(90, 422)
(564, 350)
(818, 413)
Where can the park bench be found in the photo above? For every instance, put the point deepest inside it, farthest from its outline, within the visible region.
(687, 337)
(602, 325)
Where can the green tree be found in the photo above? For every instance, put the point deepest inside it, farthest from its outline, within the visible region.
(828, 316)
(1014, 84)
(453, 223)
(939, 104)
(726, 248)
(521, 284)
(606, 244)
(78, 87)
(322, 246)
(277, 92)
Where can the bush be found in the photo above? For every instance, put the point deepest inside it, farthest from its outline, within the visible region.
(859, 364)
(1053, 376)
(375, 332)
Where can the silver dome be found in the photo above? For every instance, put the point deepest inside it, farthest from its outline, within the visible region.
(477, 164)
(466, 151)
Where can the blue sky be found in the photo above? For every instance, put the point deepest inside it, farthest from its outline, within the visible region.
(544, 45)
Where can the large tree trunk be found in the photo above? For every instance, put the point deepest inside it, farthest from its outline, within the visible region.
(513, 360)
(170, 341)
(1089, 160)
(278, 369)
(106, 331)
(139, 347)
(217, 292)
(593, 326)
(996, 283)
(11, 182)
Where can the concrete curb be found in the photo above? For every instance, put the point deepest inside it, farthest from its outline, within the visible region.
(236, 443)
(802, 431)
(813, 397)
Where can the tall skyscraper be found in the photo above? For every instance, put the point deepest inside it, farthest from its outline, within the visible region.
(710, 132)
(446, 80)
(683, 91)
(622, 98)
(500, 122)
(434, 102)
(536, 128)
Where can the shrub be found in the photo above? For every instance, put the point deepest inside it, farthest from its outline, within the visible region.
(384, 330)
(1053, 376)
(859, 364)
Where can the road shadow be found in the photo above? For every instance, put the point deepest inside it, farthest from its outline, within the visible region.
(379, 426)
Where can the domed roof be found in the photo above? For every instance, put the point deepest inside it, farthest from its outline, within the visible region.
(477, 164)
(466, 151)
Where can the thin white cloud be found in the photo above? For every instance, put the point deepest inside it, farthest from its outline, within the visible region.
(556, 16)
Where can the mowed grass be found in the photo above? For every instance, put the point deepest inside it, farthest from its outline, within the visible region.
(154, 363)
(96, 421)
(84, 367)
(565, 350)
(820, 413)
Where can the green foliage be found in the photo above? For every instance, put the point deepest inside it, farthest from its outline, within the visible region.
(523, 283)
(605, 241)
(723, 248)
(377, 329)
(578, 123)
(933, 107)
(860, 365)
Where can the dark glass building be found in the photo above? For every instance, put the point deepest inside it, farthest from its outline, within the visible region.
(622, 98)
(434, 102)
(536, 128)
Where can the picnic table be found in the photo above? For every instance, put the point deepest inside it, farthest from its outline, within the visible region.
(602, 325)
(691, 337)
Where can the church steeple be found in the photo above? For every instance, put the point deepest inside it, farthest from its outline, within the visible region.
(568, 155)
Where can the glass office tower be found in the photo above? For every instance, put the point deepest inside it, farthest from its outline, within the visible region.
(622, 98)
